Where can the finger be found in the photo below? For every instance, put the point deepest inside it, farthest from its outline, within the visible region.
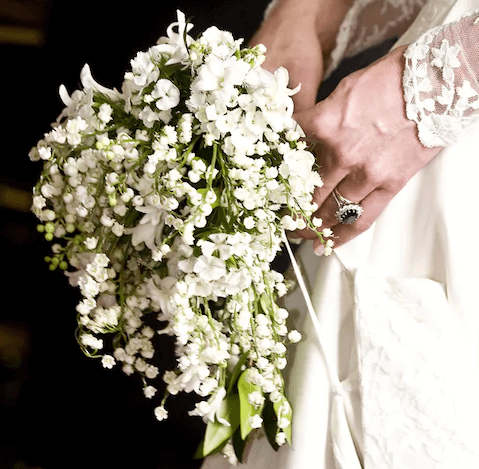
(331, 174)
(373, 205)
(313, 125)
(355, 187)
(327, 205)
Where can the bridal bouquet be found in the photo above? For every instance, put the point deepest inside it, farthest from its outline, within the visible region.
(165, 203)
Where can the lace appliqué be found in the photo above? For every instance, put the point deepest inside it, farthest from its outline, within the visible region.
(439, 97)
(418, 403)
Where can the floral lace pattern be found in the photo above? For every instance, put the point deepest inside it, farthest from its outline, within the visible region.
(440, 84)
(416, 413)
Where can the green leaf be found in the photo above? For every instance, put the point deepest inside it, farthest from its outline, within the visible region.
(199, 454)
(270, 424)
(236, 372)
(217, 434)
(239, 445)
(247, 410)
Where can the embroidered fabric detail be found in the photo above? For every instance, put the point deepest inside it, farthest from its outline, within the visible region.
(441, 81)
(418, 403)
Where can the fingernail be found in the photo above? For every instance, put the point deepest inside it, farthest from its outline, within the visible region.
(319, 250)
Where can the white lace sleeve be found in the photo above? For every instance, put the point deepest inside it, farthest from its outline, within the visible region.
(441, 81)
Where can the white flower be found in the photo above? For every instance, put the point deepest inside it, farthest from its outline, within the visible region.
(228, 452)
(150, 228)
(262, 363)
(201, 409)
(220, 43)
(167, 95)
(219, 243)
(283, 423)
(256, 398)
(210, 268)
(294, 336)
(161, 413)
(217, 73)
(88, 286)
(108, 361)
(117, 229)
(45, 153)
(89, 83)
(105, 112)
(151, 372)
(289, 223)
(85, 306)
(91, 341)
(148, 116)
(215, 405)
(280, 438)
(91, 243)
(255, 421)
(149, 391)
(178, 40)
(282, 313)
(143, 70)
(296, 162)
(215, 355)
(328, 247)
(39, 202)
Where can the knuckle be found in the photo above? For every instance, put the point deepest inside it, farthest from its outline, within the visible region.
(393, 184)
(374, 175)
(344, 159)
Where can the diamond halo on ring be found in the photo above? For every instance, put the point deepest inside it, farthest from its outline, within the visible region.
(348, 212)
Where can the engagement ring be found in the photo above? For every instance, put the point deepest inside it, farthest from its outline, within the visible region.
(348, 212)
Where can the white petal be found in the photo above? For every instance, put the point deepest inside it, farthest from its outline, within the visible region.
(89, 83)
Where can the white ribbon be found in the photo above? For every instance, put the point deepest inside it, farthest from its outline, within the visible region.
(345, 453)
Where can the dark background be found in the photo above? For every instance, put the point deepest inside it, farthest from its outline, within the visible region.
(60, 409)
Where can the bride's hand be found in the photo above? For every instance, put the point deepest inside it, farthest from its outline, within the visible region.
(366, 147)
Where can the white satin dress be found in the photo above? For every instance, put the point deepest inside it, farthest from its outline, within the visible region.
(399, 315)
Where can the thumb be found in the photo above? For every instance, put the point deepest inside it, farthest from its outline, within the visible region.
(308, 77)
(310, 120)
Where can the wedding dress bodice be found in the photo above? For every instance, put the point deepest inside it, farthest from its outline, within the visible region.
(368, 22)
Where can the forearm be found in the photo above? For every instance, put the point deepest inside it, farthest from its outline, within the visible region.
(324, 16)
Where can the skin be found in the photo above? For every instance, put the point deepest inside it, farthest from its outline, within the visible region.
(365, 145)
